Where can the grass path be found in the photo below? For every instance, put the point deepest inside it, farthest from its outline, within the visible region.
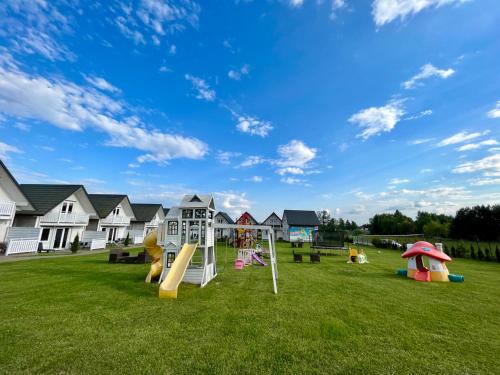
(82, 315)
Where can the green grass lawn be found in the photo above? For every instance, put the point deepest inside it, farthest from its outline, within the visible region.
(82, 315)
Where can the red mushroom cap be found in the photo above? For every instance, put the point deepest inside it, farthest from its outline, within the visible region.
(427, 249)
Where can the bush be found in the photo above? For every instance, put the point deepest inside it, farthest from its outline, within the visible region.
(127, 240)
(472, 252)
(75, 245)
(497, 254)
(453, 252)
(480, 254)
(487, 256)
(3, 247)
(460, 250)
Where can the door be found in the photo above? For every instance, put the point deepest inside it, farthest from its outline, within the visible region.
(110, 234)
(61, 238)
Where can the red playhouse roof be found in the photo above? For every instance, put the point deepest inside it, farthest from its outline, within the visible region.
(427, 249)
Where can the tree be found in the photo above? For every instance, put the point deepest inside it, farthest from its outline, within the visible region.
(453, 251)
(472, 252)
(480, 254)
(477, 223)
(324, 217)
(127, 239)
(388, 224)
(497, 254)
(434, 228)
(487, 255)
(75, 245)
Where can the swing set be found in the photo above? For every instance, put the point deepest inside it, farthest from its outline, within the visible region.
(270, 239)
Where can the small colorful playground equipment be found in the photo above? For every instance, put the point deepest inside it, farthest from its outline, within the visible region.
(437, 270)
(356, 256)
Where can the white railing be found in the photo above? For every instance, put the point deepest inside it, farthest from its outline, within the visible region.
(65, 218)
(21, 245)
(119, 220)
(137, 240)
(7, 209)
(97, 244)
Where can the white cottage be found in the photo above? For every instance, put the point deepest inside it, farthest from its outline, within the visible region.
(274, 221)
(147, 218)
(12, 200)
(223, 233)
(114, 214)
(191, 222)
(61, 211)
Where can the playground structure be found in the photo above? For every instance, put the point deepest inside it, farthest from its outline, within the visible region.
(437, 270)
(183, 248)
(357, 256)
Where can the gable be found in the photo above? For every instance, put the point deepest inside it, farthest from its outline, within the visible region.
(44, 197)
(12, 190)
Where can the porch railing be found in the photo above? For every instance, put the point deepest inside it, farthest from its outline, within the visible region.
(7, 209)
(65, 218)
(22, 245)
(119, 220)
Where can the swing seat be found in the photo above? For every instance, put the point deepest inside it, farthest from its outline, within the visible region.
(239, 264)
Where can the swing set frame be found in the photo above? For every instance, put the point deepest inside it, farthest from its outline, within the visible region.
(270, 239)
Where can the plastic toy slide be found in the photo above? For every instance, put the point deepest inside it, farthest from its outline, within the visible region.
(259, 260)
(156, 254)
(168, 288)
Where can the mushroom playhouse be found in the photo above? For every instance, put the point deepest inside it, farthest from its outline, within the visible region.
(436, 271)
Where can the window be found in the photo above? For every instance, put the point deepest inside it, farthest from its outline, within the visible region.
(187, 214)
(210, 214)
(173, 228)
(200, 214)
(67, 207)
(116, 211)
(45, 234)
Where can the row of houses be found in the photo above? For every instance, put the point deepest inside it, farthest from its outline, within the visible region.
(51, 216)
(294, 225)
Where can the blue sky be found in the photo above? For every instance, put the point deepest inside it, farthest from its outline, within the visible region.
(353, 106)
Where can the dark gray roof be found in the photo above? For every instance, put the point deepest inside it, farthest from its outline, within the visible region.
(226, 217)
(165, 211)
(145, 211)
(44, 197)
(105, 203)
(301, 217)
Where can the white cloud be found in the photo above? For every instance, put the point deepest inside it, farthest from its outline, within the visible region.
(460, 137)
(398, 181)
(475, 146)
(386, 11)
(254, 126)
(426, 170)
(156, 17)
(102, 84)
(237, 74)
(427, 112)
(22, 126)
(485, 181)
(343, 146)
(495, 112)
(173, 49)
(490, 165)
(69, 106)
(48, 148)
(204, 91)
(427, 71)
(295, 154)
(296, 3)
(290, 170)
(420, 141)
(5, 149)
(336, 6)
(224, 157)
(232, 202)
(256, 179)
(250, 161)
(164, 69)
(291, 180)
(375, 120)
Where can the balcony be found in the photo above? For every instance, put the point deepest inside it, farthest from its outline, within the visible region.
(7, 209)
(65, 219)
(115, 220)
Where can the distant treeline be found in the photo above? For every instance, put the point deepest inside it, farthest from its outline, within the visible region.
(473, 223)
(479, 223)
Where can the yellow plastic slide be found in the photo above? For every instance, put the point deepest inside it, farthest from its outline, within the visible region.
(156, 253)
(168, 288)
